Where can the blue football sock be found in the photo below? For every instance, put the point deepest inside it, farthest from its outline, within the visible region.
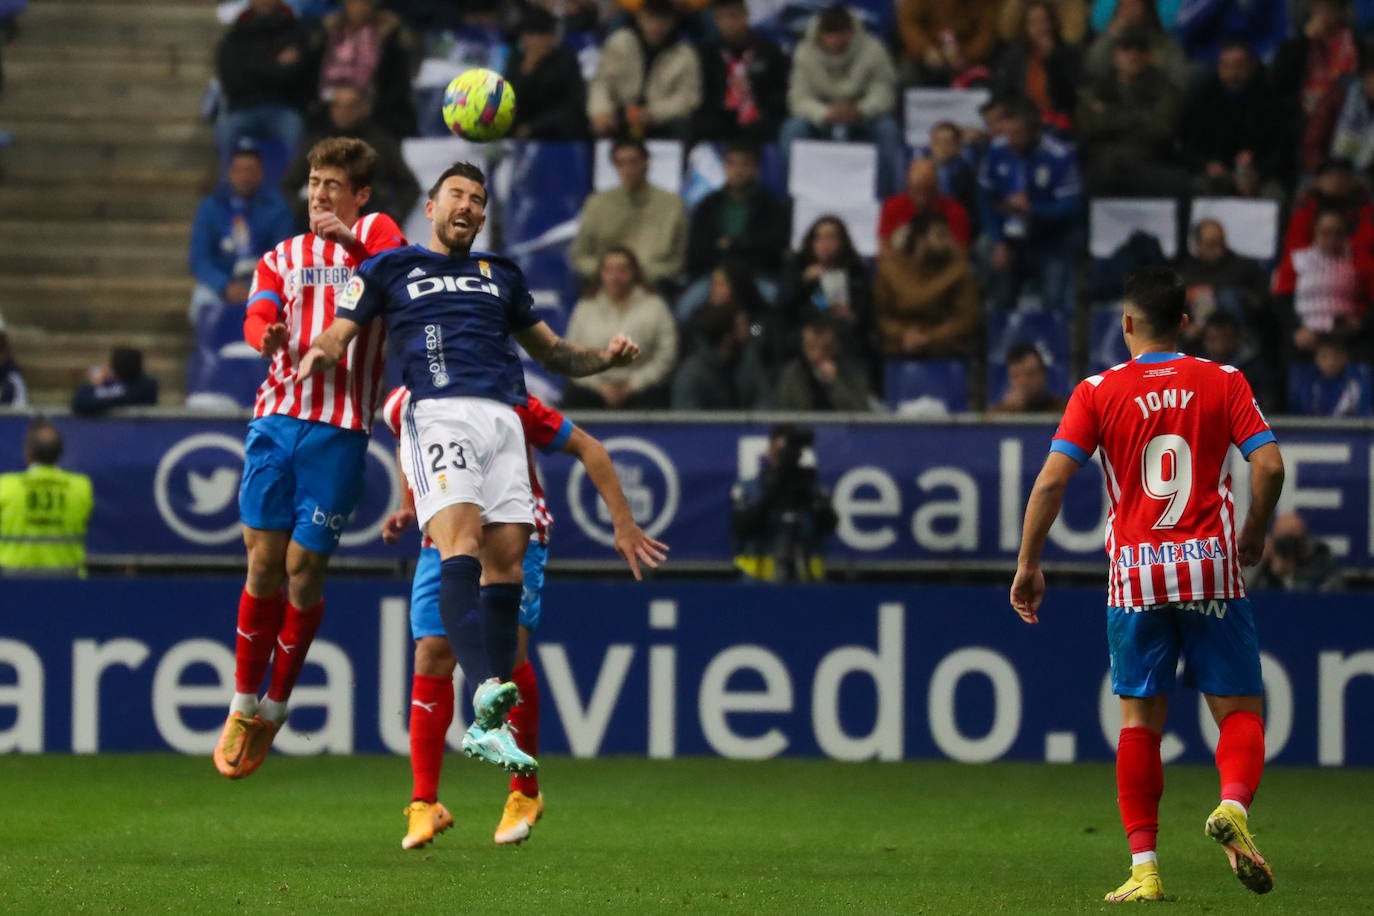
(460, 609)
(501, 626)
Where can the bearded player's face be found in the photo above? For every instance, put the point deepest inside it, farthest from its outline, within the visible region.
(458, 212)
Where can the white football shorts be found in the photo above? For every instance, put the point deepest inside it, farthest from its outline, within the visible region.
(467, 450)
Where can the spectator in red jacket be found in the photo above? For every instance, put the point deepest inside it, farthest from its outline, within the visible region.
(1336, 187)
(1326, 286)
(922, 195)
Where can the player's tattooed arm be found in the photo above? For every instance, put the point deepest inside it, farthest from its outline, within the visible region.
(558, 356)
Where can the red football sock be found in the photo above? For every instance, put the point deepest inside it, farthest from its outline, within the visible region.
(431, 713)
(259, 621)
(1139, 785)
(1240, 756)
(524, 719)
(293, 642)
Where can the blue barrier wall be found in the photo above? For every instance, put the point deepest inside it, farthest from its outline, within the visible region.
(906, 493)
(885, 672)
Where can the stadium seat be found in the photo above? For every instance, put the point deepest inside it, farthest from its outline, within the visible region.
(235, 378)
(924, 108)
(1112, 220)
(1252, 226)
(816, 163)
(1047, 331)
(218, 326)
(913, 385)
(1106, 348)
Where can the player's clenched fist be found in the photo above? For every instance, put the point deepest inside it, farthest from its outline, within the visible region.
(622, 351)
(327, 225)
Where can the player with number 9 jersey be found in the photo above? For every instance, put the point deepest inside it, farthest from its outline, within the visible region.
(1163, 424)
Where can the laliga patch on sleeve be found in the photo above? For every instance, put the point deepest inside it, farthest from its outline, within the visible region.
(348, 299)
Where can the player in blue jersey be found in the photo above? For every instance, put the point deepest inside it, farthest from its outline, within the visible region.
(451, 315)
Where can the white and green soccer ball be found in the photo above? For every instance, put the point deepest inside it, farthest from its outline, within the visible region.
(479, 105)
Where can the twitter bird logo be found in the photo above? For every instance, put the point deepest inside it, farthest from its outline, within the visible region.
(211, 493)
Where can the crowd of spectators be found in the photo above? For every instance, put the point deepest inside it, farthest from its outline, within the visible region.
(1256, 99)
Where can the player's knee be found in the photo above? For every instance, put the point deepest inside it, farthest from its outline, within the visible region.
(266, 570)
(434, 657)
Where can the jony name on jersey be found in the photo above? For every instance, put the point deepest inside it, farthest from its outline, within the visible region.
(427, 286)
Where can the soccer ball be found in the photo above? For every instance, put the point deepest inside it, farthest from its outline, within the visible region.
(479, 105)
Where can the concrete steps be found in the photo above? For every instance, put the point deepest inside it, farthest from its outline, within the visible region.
(26, 202)
(109, 162)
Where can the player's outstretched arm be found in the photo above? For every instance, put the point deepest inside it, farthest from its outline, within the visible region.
(329, 348)
(630, 540)
(1046, 498)
(1266, 483)
(558, 356)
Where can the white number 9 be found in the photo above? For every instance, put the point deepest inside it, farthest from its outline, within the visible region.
(1166, 472)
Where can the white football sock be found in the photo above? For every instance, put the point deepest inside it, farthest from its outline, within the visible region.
(273, 711)
(1140, 858)
(245, 704)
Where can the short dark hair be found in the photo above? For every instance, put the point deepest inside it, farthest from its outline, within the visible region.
(1021, 109)
(1222, 319)
(721, 4)
(743, 146)
(42, 442)
(821, 321)
(1333, 340)
(950, 125)
(538, 21)
(1161, 297)
(833, 19)
(1018, 352)
(636, 270)
(1133, 39)
(662, 8)
(626, 142)
(458, 170)
(5, 344)
(357, 159)
(127, 363)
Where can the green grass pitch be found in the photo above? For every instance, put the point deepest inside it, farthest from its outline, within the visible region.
(166, 834)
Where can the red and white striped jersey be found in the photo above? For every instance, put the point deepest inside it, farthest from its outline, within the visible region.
(545, 429)
(302, 276)
(1162, 425)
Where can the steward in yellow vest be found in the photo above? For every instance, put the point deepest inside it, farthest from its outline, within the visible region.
(44, 510)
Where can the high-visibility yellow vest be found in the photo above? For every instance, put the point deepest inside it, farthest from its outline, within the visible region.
(43, 516)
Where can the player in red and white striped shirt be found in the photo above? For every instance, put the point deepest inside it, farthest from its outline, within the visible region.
(306, 444)
(1163, 425)
(432, 695)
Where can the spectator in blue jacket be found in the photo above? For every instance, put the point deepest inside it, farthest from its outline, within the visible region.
(233, 227)
(1338, 387)
(1203, 26)
(119, 383)
(1030, 202)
